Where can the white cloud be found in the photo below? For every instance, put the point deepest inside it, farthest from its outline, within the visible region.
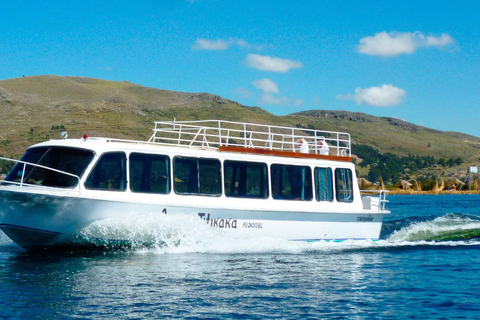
(242, 43)
(268, 98)
(266, 85)
(245, 93)
(384, 96)
(205, 44)
(267, 63)
(395, 43)
(441, 41)
(270, 92)
(298, 102)
(219, 44)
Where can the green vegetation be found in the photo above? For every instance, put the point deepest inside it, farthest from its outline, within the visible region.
(58, 127)
(391, 168)
(5, 166)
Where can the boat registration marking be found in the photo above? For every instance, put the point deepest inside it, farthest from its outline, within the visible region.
(365, 218)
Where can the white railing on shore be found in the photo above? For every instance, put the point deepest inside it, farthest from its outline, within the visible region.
(211, 134)
(23, 184)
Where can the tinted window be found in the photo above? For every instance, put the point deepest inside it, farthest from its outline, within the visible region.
(149, 173)
(344, 185)
(197, 176)
(291, 182)
(70, 160)
(245, 179)
(109, 173)
(323, 184)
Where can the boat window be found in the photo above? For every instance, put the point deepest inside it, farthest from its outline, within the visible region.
(70, 160)
(149, 173)
(323, 184)
(109, 173)
(197, 176)
(245, 179)
(344, 185)
(291, 182)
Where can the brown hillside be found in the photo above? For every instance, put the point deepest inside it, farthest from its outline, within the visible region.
(33, 107)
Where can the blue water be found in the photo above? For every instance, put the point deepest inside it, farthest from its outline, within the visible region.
(426, 267)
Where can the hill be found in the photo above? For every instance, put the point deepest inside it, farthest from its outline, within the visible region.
(33, 107)
(395, 135)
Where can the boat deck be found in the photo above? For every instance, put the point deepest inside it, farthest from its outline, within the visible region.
(242, 137)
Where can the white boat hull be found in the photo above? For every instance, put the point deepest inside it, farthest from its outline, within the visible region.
(35, 219)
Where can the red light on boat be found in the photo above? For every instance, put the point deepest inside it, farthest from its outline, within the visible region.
(85, 137)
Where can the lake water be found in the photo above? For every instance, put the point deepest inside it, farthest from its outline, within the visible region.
(427, 266)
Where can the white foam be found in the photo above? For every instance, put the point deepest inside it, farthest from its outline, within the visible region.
(456, 227)
(188, 234)
(5, 240)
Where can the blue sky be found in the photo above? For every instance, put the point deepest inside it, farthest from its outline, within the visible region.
(415, 60)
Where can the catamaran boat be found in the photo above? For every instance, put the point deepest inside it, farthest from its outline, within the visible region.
(251, 180)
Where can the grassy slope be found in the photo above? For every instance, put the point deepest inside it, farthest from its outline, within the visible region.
(396, 136)
(30, 106)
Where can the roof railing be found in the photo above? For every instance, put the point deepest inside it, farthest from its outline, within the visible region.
(211, 134)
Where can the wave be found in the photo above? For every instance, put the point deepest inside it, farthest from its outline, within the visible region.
(188, 234)
(149, 231)
(450, 227)
(4, 240)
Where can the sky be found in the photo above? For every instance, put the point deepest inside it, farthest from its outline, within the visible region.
(418, 61)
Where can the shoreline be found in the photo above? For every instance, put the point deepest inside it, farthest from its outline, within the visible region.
(413, 192)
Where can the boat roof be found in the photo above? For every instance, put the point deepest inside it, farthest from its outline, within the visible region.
(229, 136)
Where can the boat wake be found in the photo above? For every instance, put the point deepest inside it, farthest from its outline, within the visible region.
(149, 231)
(4, 240)
(188, 234)
(450, 227)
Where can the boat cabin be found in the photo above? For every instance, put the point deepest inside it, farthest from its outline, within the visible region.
(234, 170)
(250, 179)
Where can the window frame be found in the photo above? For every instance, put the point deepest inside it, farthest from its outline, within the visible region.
(36, 155)
(198, 177)
(244, 166)
(123, 177)
(346, 195)
(281, 196)
(330, 184)
(147, 175)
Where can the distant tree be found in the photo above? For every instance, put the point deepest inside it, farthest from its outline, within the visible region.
(373, 174)
(450, 162)
(458, 161)
(392, 167)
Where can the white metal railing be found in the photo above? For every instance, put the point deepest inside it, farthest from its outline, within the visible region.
(382, 197)
(211, 134)
(22, 184)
